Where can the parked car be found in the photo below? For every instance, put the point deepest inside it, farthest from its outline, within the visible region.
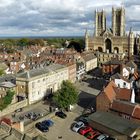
(102, 137)
(42, 127)
(61, 114)
(77, 126)
(32, 115)
(109, 138)
(84, 120)
(18, 110)
(85, 129)
(49, 122)
(92, 134)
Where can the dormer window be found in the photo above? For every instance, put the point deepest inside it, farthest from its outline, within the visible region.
(124, 84)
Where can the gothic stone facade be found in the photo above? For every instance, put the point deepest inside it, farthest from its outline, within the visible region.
(112, 42)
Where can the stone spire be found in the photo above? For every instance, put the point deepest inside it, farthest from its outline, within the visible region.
(86, 40)
(131, 40)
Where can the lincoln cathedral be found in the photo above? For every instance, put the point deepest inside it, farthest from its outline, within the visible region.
(111, 42)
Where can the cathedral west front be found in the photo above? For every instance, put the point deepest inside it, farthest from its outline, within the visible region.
(111, 42)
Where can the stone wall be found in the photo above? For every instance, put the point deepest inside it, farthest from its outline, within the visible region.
(12, 133)
(11, 108)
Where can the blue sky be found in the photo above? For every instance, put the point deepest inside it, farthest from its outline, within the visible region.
(60, 17)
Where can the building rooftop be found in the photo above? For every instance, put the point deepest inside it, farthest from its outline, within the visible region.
(118, 76)
(131, 64)
(8, 77)
(113, 62)
(123, 93)
(126, 108)
(123, 107)
(114, 122)
(40, 71)
(88, 57)
(7, 84)
(109, 91)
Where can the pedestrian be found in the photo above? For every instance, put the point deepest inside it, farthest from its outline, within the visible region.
(92, 109)
(59, 137)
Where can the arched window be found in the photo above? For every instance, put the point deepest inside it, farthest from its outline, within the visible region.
(108, 45)
(100, 49)
(116, 50)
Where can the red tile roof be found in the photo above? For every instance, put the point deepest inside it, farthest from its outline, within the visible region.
(109, 91)
(123, 107)
(136, 112)
(123, 94)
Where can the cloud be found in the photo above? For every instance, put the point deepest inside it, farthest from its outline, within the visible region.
(59, 17)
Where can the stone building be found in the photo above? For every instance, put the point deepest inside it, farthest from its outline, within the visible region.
(138, 44)
(38, 83)
(110, 42)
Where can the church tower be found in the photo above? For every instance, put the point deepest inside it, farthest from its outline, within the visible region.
(86, 40)
(131, 39)
(100, 22)
(118, 21)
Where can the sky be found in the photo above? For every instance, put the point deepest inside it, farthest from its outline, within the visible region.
(60, 17)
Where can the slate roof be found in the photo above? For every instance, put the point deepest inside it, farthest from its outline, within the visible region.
(131, 64)
(113, 122)
(113, 62)
(7, 85)
(118, 76)
(8, 77)
(37, 72)
(88, 57)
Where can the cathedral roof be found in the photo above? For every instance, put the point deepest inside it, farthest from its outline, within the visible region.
(107, 32)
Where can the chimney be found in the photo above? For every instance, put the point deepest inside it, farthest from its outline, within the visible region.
(133, 96)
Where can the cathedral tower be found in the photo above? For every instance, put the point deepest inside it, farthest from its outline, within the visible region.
(86, 40)
(118, 21)
(100, 22)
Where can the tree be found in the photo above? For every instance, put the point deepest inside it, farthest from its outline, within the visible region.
(23, 42)
(66, 96)
(5, 101)
(2, 72)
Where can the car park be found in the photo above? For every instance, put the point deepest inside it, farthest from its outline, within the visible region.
(40, 126)
(49, 123)
(61, 114)
(92, 134)
(102, 137)
(85, 129)
(77, 126)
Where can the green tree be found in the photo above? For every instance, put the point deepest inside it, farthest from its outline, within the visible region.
(2, 72)
(36, 42)
(66, 96)
(5, 101)
(23, 42)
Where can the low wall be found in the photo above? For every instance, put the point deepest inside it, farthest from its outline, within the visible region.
(11, 108)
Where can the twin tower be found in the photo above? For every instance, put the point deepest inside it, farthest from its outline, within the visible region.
(118, 22)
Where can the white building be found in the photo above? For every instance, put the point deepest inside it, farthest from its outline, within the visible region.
(121, 82)
(37, 83)
(90, 61)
